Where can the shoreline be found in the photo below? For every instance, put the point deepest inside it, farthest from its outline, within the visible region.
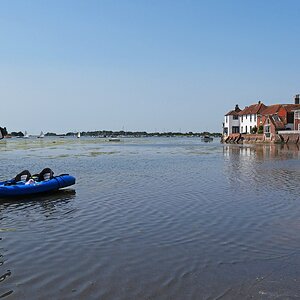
(278, 138)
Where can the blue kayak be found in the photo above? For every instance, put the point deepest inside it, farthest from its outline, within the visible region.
(20, 188)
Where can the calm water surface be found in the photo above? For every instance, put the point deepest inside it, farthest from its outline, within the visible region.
(153, 218)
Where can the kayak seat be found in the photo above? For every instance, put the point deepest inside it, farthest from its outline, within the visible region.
(23, 176)
(46, 174)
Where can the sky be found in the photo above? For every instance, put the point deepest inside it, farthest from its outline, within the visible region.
(143, 65)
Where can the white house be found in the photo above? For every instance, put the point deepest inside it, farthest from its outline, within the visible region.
(248, 117)
(231, 122)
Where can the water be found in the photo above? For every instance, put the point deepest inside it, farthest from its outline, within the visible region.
(153, 218)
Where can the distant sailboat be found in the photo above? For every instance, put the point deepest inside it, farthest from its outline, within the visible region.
(78, 135)
(41, 135)
(26, 136)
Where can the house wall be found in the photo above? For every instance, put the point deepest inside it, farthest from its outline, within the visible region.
(272, 130)
(297, 120)
(247, 120)
(282, 113)
(229, 122)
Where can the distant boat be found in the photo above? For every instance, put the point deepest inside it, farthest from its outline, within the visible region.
(206, 138)
(114, 139)
(78, 135)
(26, 136)
(41, 135)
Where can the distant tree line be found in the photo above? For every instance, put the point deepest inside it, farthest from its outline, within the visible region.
(14, 133)
(109, 133)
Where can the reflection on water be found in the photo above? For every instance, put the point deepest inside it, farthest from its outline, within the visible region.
(50, 206)
(155, 219)
(51, 198)
(263, 152)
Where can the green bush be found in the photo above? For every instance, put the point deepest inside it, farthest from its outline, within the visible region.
(254, 130)
(260, 129)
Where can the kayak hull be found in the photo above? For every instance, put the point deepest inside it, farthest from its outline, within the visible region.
(21, 189)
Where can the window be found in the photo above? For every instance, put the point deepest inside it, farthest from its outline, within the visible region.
(250, 119)
(235, 129)
(235, 117)
(267, 131)
(241, 129)
(254, 118)
(226, 120)
(242, 118)
(246, 128)
(290, 117)
(250, 129)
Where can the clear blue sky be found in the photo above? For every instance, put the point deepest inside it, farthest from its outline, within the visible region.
(143, 65)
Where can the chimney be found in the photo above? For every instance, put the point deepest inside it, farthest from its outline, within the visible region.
(259, 102)
(297, 97)
(237, 108)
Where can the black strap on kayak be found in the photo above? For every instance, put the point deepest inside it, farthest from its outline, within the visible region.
(58, 182)
(61, 178)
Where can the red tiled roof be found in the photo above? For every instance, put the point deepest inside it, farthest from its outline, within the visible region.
(233, 113)
(291, 107)
(278, 123)
(252, 109)
(271, 109)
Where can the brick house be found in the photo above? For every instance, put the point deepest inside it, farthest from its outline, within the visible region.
(290, 115)
(285, 112)
(297, 120)
(271, 124)
(276, 109)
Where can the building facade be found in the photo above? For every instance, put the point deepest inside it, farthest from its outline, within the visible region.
(259, 118)
(231, 122)
(297, 119)
(248, 117)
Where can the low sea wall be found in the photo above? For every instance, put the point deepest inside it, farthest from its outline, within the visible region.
(282, 137)
(290, 138)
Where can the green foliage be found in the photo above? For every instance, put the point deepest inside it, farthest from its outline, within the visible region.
(254, 129)
(260, 129)
(110, 133)
(17, 133)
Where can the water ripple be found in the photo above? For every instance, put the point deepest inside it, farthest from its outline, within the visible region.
(153, 219)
